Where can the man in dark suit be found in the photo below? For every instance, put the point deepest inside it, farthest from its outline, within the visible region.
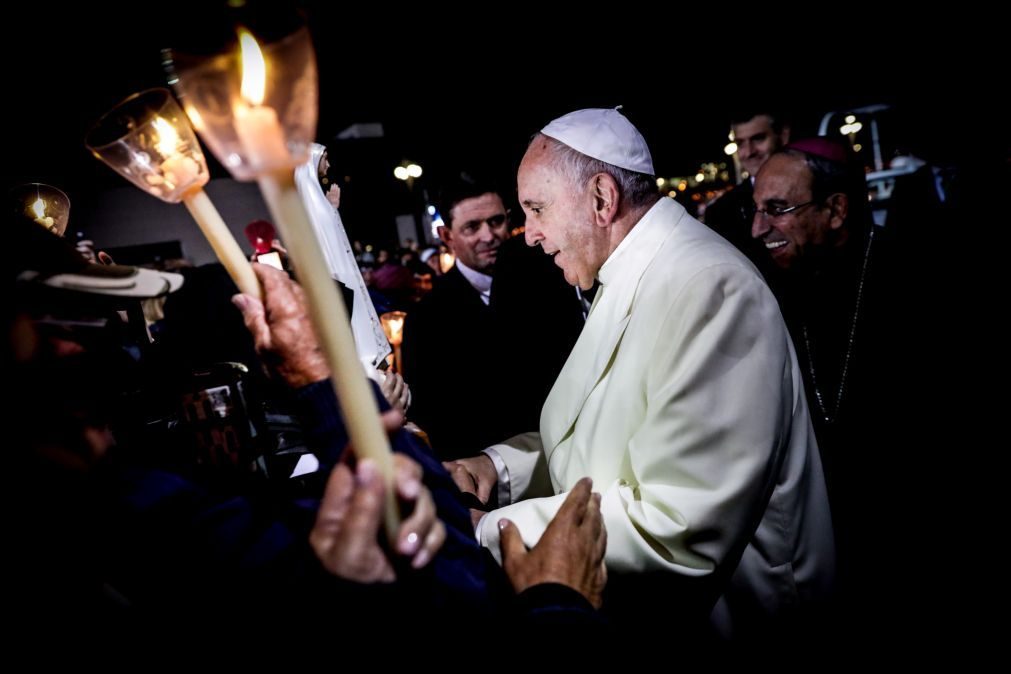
(451, 348)
(758, 134)
(532, 304)
(852, 301)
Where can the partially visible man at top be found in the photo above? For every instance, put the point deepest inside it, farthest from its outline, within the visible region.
(682, 397)
(758, 134)
(449, 338)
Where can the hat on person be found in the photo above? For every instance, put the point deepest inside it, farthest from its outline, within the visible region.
(427, 254)
(604, 134)
(821, 146)
(47, 260)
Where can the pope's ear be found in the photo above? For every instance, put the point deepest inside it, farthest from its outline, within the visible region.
(605, 194)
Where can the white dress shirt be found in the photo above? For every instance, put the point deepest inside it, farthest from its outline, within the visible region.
(479, 281)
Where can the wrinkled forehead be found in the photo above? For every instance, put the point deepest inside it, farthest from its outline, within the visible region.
(538, 154)
(783, 176)
(539, 173)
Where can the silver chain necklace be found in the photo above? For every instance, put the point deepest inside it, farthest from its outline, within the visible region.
(831, 414)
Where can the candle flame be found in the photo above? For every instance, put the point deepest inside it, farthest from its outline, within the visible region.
(393, 326)
(168, 137)
(254, 69)
(39, 207)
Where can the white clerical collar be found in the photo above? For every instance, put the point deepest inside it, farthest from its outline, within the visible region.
(480, 282)
(613, 267)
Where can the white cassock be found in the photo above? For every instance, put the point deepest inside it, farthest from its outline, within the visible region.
(683, 400)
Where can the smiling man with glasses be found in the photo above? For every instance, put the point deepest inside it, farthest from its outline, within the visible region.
(788, 218)
(846, 293)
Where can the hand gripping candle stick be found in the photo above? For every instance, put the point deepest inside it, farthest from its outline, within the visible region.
(271, 94)
(148, 140)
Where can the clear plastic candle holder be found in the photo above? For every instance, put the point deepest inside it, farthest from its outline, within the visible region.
(148, 140)
(43, 204)
(254, 104)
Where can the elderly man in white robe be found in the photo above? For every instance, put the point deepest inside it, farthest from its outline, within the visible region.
(682, 398)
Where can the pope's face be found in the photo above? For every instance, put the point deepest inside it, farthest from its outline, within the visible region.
(560, 217)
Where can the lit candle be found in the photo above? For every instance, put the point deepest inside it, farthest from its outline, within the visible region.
(164, 159)
(396, 330)
(261, 136)
(256, 124)
(393, 326)
(265, 153)
(39, 208)
(180, 171)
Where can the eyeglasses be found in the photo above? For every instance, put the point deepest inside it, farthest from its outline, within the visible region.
(749, 211)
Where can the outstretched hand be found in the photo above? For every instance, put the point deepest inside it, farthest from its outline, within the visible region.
(570, 552)
(396, 391)
(475, 475)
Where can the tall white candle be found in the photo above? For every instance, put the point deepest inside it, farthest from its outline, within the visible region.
(256, 124)
(263, 140)
(262, 137)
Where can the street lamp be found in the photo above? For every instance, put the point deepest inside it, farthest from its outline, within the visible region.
(850, 129)
(408, 171)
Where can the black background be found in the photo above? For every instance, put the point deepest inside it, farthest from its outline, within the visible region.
(468, 89)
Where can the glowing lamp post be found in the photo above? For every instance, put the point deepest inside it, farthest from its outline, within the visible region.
(850, 129)
(148, 141)
(43, 204)
(256, 108)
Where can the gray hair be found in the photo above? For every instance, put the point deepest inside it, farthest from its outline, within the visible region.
(637, 189)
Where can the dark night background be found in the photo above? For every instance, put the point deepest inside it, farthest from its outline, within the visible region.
(468, 90)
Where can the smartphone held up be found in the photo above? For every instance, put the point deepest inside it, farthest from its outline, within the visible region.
(262, 235)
